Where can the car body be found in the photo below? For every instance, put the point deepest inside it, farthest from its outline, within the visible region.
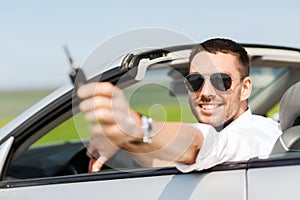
(30, 169)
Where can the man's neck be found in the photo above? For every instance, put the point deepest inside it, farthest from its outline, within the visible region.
(221, 127)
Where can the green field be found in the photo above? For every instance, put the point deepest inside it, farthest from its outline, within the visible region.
(155, 101)
(15, 102)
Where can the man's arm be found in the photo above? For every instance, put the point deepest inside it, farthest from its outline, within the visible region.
(172, 141)
(106, 105)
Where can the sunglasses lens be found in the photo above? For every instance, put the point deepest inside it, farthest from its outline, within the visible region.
(221, 81)
(193, 82)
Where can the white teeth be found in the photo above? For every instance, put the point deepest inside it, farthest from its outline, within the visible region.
(209, 106)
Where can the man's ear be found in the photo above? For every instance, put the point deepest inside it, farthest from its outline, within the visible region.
(246, 88)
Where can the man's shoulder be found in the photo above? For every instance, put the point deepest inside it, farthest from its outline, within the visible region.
(263, 119)
(264, 126)
(255, 123)
(249, 117)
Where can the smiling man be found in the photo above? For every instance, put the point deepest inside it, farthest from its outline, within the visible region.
(226, 66)
(219, 86)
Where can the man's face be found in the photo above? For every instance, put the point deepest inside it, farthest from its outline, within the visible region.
(209, 105)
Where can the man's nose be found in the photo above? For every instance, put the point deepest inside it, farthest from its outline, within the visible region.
(208, 89)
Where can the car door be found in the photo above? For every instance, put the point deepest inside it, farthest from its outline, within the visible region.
(161, 184)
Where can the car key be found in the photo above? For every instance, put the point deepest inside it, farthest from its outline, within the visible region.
(78, 78)
(77, 75)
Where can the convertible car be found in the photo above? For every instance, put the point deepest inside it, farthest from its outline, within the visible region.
(43, 151)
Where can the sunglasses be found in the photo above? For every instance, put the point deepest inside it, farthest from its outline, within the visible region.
(220, 81)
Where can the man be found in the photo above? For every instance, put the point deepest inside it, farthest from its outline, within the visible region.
(219, 86)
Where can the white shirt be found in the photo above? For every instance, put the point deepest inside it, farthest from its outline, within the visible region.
(246, 137)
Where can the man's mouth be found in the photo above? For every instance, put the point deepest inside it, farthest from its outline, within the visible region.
(209, 106)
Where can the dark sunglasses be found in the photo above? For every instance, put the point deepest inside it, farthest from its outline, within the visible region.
(221, 81)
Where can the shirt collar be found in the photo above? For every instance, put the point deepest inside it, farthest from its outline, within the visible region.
(241, 120)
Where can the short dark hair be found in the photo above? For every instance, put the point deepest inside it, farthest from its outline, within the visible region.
(225, 46)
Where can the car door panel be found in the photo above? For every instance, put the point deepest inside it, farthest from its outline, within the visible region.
(228, 184)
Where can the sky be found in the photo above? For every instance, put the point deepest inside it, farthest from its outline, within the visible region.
(33, 32)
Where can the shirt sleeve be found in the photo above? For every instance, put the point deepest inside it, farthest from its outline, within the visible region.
(247, 137)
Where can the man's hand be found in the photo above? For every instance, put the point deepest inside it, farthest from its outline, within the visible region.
(100, 149)
(115, 125)
(113, 122)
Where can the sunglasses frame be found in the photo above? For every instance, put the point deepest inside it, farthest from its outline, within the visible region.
(223, 87)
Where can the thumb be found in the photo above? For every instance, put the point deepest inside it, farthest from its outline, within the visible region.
(96, 164)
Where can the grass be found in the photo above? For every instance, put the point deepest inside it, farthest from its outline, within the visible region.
(15, 102)
(155, 101)
(73, 129)
(273, 111)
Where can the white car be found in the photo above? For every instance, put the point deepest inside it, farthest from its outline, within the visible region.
(32, 167)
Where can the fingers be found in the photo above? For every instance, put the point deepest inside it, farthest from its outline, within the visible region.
(94, 103)
(103, 115)
(101, 102)
(100, 149)
(97, 164)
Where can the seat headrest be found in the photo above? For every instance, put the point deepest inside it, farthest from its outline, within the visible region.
(289, 111)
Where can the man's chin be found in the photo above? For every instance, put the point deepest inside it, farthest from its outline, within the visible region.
(207, 118)
(211, 122)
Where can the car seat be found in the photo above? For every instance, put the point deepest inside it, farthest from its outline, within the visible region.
(289, 118)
